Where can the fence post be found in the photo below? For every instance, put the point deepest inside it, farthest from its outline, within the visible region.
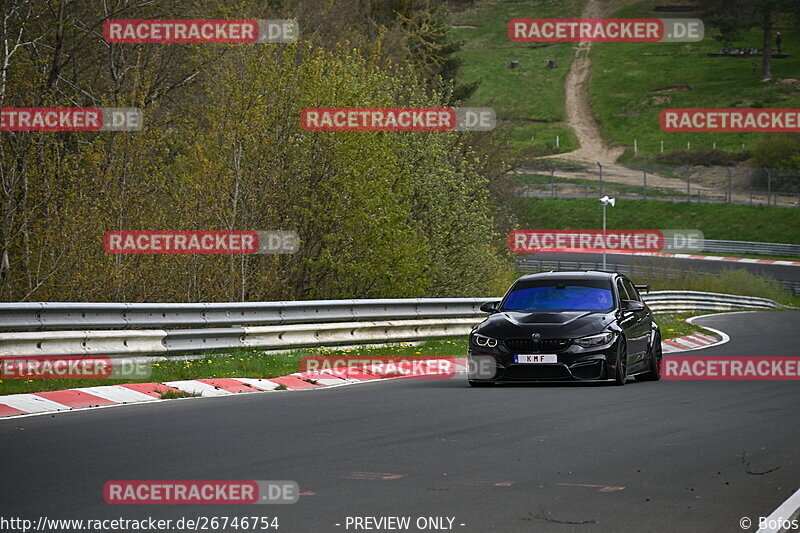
(558, 144)
(730, 182)
(601, 178)
(769, 186)
(662, 147)
(645, 182)
(635, 147)
(553, 182)
(688, 187)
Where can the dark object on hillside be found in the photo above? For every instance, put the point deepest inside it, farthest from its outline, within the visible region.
(673, 88)
(675, 9)
(552, 63)
(744, 52)
(514, 64)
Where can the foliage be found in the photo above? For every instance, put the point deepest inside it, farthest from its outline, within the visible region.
(379, 214)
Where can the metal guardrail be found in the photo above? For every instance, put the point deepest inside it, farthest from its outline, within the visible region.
(688, 301)
(748, 247)
(274, 325)
(525, 264)
(66, 315)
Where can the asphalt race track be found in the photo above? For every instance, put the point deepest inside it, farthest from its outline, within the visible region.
(664, 456)
(783, 272)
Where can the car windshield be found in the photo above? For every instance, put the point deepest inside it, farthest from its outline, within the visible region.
(555, 295)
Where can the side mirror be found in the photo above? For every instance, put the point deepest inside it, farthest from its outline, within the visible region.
(490, 307)
(632, 305)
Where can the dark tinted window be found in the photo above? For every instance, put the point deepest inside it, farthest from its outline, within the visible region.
(623, 294)
(559, 295)
(633, 294)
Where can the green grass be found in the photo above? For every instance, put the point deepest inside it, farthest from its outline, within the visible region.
(528, 100)
(727, 222)
(173, 394)
(675, 325)
(239, 363)
(628, 86)
(728, 281)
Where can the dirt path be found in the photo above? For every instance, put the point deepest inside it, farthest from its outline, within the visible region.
(592, 147)
(580, 117)
(581, 120)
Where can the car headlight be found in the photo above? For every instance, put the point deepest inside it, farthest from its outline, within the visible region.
(482, 340)
(595, 340)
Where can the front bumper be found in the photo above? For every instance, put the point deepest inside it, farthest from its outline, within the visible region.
(573, 364)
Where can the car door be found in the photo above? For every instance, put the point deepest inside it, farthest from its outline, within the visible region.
(640, 330)
(627, 321)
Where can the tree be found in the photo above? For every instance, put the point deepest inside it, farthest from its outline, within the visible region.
(735, 16)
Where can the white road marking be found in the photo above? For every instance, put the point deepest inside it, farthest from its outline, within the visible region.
(117, 394)
(686, 343)
(197, 387)
(723, 336)
(262, 384)
(787, 511)
(31, 403)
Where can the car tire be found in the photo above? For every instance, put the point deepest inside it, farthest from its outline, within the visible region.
(654, 374)
(621, 371)
(478, 383)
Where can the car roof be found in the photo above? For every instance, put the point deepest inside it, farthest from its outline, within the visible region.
(571, 275)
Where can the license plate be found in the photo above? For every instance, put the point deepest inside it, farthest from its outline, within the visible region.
(536, 358)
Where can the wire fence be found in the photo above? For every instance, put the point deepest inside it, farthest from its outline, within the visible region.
(717, 184)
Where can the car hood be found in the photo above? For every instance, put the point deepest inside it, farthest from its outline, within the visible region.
(551, 324)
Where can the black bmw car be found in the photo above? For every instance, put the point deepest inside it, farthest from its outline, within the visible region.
(566, 326)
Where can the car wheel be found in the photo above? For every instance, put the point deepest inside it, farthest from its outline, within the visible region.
(621, 373)
(654, 374)
(477, 383)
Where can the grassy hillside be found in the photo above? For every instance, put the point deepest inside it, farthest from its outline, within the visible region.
(529, 100)
(730, 222)
(631, 83)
